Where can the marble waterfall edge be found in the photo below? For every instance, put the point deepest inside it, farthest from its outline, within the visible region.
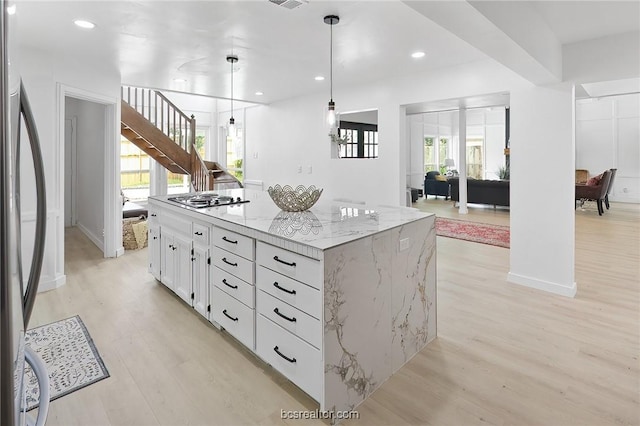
(374, 321)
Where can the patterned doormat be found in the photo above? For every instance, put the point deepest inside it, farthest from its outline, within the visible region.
(72, 359)
(496, 235)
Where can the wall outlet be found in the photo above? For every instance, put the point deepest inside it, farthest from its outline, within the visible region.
(625, 190)
(255, 154)
(299, 169)
(404, 244)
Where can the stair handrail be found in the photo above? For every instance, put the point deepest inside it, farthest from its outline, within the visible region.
(157, 108)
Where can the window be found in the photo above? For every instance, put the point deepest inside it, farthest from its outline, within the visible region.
(362, 140)
(475, 150)
(235, 154)
(434, 156)
(134, 171)
(429, 154)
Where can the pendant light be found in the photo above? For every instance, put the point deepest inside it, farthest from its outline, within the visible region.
(331, 20)
(231, 129)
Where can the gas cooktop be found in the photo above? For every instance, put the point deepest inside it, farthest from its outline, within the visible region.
(200, 201)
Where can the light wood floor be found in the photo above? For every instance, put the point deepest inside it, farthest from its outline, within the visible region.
(505, 354)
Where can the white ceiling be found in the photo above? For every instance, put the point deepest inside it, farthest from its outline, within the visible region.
(280, 50)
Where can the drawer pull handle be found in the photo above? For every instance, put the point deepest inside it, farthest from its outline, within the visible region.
(229, 241)
(198, 233)
(282, 261)
(292, 360)
(229, 316)
(293, 319)
(224, 259)
(224, 281)
(276, 285)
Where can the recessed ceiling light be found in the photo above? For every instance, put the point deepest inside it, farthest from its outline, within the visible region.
(417, 55)
(259, 93)
(179, 80)
(11, 10)
(319, 78)
(84, 24)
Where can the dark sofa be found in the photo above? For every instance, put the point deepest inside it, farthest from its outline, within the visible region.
(480, 191)
(432, 186)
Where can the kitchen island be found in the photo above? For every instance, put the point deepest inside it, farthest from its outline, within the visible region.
(336, 298)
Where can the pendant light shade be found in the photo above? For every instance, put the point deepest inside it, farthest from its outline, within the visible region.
(332, 121)
(231, 128)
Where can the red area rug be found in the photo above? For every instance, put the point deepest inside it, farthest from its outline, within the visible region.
(495, 235)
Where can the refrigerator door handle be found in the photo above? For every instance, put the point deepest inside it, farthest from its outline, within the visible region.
(40, 370)
(41, 211)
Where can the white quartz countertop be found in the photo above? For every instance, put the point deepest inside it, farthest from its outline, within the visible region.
(327, 224)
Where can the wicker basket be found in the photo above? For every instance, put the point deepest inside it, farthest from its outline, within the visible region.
(134, 233)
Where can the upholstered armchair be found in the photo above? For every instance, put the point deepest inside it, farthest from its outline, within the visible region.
(596, 192)
(434, 185)
(606, 197)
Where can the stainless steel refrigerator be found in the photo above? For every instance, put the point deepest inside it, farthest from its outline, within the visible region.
(17, 295)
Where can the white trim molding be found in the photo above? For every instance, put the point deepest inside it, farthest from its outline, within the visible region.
(562, 290)
(112, 205)
(49, 283)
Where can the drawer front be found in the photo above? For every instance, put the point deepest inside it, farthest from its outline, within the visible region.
(234, 264)
(233, 316)
(152, 216)
(297, 322)
(176, 223)
(234, 243)
(295, 293)
(298, 361)
(234, 286)
(293, 265)
(200, 234)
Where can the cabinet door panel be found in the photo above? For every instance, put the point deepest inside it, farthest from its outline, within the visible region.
(183, 265)
(200, 280)
(167, 265)
(154, 251)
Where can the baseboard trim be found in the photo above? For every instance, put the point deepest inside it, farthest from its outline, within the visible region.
(51, 283)
(95, 240)
(119, 251)
(562, 290)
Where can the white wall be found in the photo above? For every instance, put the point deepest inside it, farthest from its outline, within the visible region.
(292, 133)
(542, 189)
(90, 122)
(43, 73)
(608, 136)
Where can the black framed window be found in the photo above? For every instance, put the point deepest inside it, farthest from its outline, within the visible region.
(362, 140)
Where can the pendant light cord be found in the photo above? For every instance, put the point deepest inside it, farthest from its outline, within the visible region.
(331, 63)
(231, 62)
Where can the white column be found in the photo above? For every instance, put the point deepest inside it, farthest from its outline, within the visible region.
(157, 178)
(462, 161)
(542, 212)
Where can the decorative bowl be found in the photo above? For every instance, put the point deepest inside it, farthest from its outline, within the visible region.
(294, 200)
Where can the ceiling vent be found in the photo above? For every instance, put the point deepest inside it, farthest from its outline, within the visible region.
(289, 4)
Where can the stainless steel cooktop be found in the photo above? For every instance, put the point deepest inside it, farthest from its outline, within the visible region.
(200, 201)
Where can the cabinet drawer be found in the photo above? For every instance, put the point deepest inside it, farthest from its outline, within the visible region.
(200, 234)
(233, 316)
(234, 286)
(295, 293)
(297, 360)
(297, 322)
(293, 265)
(234, 243)
(176, 223)
(152, 216)
(234, 264)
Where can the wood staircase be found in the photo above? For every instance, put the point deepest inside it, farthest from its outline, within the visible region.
(155, 125)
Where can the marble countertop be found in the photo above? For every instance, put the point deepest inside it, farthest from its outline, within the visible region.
(327, 224)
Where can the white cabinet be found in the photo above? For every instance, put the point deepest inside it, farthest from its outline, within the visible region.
(154, 251)
(200, 279)
(233, 290)
(175, 272)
